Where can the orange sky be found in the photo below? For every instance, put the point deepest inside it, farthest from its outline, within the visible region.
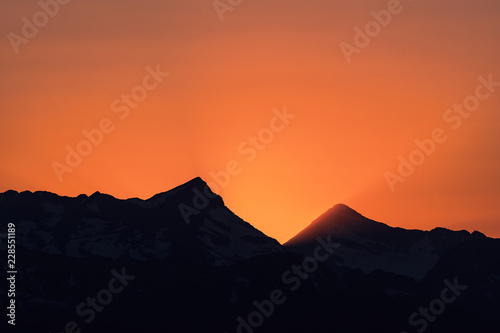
(225, 79)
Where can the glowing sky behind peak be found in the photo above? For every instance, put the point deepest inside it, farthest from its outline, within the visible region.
(226, 78)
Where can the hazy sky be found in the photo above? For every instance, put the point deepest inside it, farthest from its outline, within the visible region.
(359, 101)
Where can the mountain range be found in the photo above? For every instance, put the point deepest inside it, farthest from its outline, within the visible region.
(182, 261)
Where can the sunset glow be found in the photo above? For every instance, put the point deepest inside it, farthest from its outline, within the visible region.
(206, 95)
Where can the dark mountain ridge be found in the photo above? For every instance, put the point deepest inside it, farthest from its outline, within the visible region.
(186, 263)
(369, 245)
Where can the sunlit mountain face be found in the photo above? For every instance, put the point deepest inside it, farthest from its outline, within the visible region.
(98, 263)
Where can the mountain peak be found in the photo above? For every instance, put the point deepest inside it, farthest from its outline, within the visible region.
(197, 181)
(189, 189)
(189, 222)
(339, 213)
(342, 210)
(339, 217)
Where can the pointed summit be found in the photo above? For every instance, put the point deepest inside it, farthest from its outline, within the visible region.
(189, 223)
(186, 191)
(338, 217)
(196, 182)
(368, 245)
(341, 211)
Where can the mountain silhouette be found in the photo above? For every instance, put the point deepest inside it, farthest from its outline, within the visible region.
(181, 261)
(135, 229)
(369, 245)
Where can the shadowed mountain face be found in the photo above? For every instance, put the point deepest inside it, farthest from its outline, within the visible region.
(183, 262)
(368, 245)
(188, 222)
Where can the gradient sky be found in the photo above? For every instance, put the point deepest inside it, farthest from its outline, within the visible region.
(353, 120)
